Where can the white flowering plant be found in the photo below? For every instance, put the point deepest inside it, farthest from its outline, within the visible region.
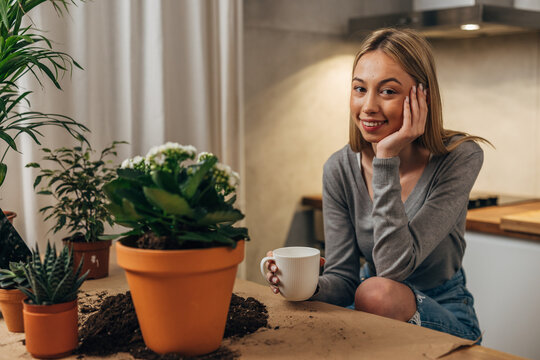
(175, 199)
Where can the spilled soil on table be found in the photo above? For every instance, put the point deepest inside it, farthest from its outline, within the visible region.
(108, 325)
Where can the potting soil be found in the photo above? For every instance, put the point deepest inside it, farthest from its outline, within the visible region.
(108, 325)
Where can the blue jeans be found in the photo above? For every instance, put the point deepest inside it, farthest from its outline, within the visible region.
(448, 307)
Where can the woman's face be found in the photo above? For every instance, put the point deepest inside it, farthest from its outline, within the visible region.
(378, 91)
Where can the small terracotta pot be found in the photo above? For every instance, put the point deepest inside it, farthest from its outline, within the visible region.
(51, 330)
(10, 215)
(181, 297)
(96, 257)
(11, 304)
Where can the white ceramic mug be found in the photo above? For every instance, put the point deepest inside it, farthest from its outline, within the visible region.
(298, 271)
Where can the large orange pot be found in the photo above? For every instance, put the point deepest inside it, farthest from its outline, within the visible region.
(181, 297)
(12, 309)
(51, 330)
(96, 257)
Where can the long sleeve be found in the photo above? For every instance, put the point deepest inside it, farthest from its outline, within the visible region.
(401, 244)
(341, 274)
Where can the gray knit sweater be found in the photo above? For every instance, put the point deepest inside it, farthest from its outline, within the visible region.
(420, 241)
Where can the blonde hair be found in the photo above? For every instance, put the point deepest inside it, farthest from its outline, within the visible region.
(414, 54)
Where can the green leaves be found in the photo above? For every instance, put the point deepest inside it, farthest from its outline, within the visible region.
(199, 171)
(14, 276)
(178, 202)
(3, 172)
(76, 182)
(53, 280)
(23, 52)
(170, 203)
(220, 217)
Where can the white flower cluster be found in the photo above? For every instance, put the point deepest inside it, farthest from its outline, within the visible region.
(172, 154)
(158, 155)
(173, 148)
(226, 179)
(136, 163)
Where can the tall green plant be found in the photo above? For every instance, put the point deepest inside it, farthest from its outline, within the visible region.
(24, 51)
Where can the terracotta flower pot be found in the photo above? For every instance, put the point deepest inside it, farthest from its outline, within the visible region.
(96, 257)
(181, 297)
(10, 215)
(51, 330)
(12, 309)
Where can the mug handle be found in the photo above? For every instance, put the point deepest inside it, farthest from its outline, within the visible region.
(263, 261)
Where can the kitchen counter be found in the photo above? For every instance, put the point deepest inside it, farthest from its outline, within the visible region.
(484, 219)
(299, 330)
(488, 219)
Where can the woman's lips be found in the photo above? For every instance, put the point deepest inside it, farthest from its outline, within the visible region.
(372, 125)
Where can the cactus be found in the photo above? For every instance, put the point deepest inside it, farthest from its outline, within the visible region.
(14, 276)
(53, 280)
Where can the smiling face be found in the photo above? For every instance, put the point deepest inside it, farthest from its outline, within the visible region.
(378, 90)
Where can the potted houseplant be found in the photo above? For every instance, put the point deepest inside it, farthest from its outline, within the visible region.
(50, 313)
(182, 251)
(24, 51)
(11, 297)
(12, 250)
(75, 182)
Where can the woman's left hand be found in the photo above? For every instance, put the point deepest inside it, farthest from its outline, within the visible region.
(415, 111)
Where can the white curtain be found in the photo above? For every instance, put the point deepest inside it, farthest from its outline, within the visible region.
(154, 71)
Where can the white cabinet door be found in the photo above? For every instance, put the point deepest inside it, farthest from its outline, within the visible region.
(503, 274)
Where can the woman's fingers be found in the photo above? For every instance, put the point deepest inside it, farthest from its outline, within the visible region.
(323, 261)
(413, 105)
(423, 108)
(415, 112)
(407, 114)
(272, 279)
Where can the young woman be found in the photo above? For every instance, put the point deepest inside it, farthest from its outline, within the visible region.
(397, 194)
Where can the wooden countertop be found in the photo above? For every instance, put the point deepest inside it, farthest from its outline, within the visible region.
(488, 219)
(305, 330)
(485, 220)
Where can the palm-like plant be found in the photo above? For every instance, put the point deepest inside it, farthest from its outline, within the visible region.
(23, 51)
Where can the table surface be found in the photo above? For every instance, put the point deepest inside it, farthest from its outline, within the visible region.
(300, 330)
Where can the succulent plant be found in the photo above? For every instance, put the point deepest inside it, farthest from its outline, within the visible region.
(53, 280)
(14, 276)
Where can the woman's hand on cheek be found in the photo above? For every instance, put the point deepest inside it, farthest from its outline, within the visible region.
(414, 123)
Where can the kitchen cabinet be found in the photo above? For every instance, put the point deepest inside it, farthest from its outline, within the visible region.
(503, 276)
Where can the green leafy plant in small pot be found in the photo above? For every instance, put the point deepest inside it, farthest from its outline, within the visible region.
(182, 250)
(76, 184)
(11, 297)
(50, 313)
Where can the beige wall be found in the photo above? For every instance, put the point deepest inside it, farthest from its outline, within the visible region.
(490, 87)
(296, 94)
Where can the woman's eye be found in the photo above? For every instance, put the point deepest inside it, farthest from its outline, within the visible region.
(388, 92)
(359, 89)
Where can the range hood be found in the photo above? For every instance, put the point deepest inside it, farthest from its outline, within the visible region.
(476, 18)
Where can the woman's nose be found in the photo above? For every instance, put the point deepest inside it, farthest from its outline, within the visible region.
(370, 105)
